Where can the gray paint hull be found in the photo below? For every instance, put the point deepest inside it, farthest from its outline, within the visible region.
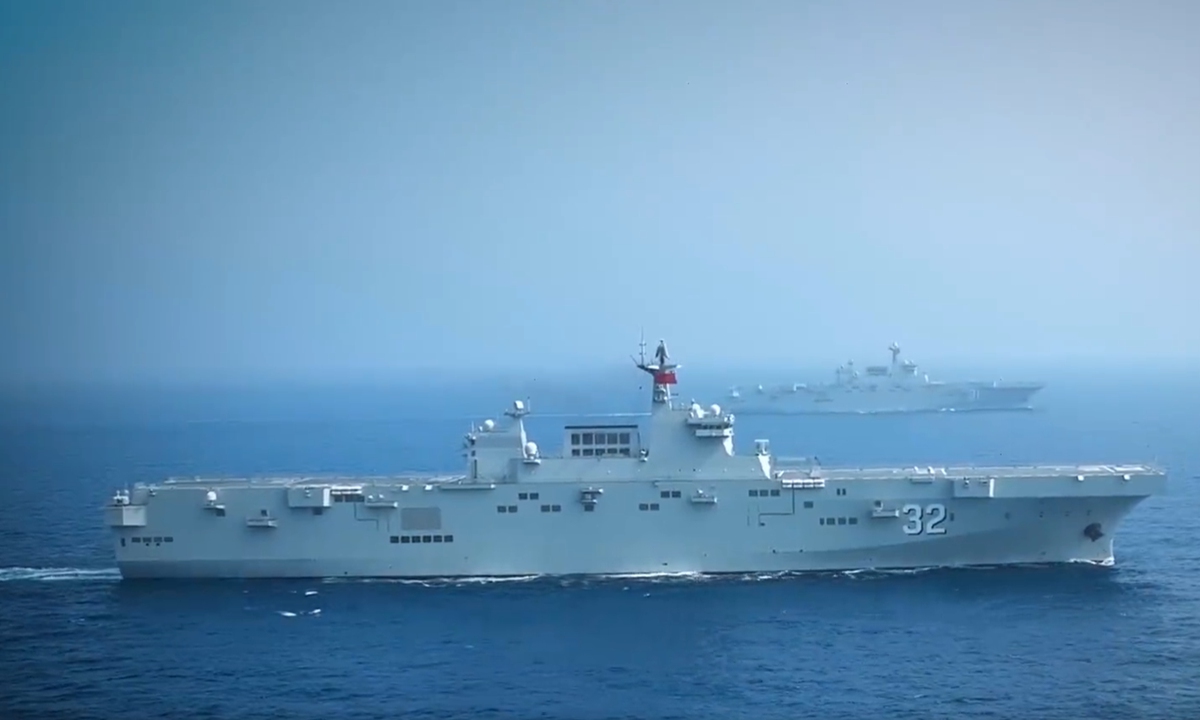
(948, 397)
(767, 535)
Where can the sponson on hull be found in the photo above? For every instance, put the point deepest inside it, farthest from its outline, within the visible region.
(670, 497)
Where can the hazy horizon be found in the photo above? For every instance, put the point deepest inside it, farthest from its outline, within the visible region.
(606, 370)
(236, 192)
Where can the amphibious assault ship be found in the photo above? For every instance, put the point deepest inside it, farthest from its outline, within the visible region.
(895, 388)
(674, 497)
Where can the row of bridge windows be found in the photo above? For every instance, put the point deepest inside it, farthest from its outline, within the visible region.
(409, 539)
(147, 540)
(599, 438)
(595, 452)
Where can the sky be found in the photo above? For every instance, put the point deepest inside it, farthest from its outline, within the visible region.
(369, 189)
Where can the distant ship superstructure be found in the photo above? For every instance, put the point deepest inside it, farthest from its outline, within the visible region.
(894, 388)
(673, 497)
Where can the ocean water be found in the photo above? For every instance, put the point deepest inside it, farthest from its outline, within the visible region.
(1041, 642)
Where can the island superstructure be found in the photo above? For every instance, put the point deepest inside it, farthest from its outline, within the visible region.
(894, 388)
(672, 496)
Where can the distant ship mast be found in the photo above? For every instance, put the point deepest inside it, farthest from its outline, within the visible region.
(662, 371)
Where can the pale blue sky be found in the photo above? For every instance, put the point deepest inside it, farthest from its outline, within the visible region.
(302, 189)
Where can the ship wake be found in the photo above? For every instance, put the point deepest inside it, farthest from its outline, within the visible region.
(64, 574)
(58, 574)
(687, 578)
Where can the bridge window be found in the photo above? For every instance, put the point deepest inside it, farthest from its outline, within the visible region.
(808, 504)
(616, 440)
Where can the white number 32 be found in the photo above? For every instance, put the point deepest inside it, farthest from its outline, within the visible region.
(927, 520)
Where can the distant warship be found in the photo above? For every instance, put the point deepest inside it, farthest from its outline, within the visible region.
(895, 388)
(672, 497)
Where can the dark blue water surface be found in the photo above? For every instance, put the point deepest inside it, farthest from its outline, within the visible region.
(1058, 642)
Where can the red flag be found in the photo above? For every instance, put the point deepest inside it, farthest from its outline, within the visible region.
(664, 377)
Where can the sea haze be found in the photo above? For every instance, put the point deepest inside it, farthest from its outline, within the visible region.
(1061, 642)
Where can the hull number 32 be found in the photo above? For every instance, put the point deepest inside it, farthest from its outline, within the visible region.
(925, 520)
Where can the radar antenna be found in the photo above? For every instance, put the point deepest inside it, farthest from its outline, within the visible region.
(662, 370)
(661, 353)
(895, 350)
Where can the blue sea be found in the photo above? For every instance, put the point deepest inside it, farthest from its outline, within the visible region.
(1042, 642)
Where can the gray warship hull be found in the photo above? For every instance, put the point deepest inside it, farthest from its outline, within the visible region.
(611, 503)
(735, 534)
(885, 399)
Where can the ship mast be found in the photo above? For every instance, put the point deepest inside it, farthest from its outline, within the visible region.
(661, 370)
